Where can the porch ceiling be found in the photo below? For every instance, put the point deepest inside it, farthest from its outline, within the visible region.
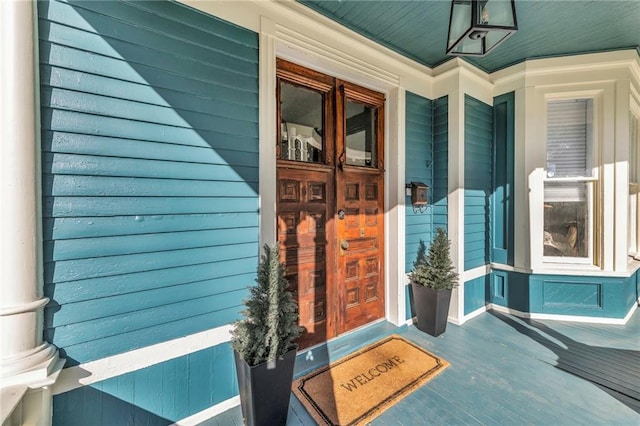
(418, 29)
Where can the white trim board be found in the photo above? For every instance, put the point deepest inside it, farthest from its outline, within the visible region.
(106, 368)
(557, 317)
(209, 413)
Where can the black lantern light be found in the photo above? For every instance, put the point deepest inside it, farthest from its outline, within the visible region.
(477, 26)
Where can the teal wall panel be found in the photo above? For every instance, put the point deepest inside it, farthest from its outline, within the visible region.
(580, 295)
(476, 294)
(478, 164)
(426, 153)
(418, 168)
(440, 190)
(409, 306)
(158, 395)
(150, 179)
(501, 201)
(597, 296)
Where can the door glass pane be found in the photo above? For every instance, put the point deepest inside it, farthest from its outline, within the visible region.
(361, 134)
(301, 124)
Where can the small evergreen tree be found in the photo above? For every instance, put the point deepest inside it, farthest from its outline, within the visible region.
(270, 323)
(435, 270)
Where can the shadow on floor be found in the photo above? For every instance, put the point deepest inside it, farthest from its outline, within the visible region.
(615, 371)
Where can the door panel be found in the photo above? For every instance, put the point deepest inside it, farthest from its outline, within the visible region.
(360, 248)
(304, 208)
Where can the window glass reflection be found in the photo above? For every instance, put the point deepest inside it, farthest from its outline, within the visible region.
(361, 134)
(301, 124)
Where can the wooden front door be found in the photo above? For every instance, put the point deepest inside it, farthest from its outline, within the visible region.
(330, 204)
(360, 206)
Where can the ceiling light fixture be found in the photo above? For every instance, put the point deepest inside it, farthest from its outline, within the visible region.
(477, 26)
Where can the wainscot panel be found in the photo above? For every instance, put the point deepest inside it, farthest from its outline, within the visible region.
(409, 307)
(608, 297)
(158, 395)
(476, 293)
(510, 289)
(584, 296)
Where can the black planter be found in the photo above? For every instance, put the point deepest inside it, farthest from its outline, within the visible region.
(265, 392)
(432, 309)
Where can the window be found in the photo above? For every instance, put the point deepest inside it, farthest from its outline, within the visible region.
(634, 189)
(570, 181)
(301, 123)
(361, 137)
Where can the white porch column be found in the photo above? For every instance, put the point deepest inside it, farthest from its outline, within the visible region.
(27, 364)
(456, 200)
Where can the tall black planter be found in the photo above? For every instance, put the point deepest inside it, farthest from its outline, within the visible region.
(432, 308)
(264, 392)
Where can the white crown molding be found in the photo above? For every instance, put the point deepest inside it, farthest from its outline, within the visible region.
(623, 64)
(292, 44)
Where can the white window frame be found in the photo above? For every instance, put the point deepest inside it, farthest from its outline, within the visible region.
(593, 187)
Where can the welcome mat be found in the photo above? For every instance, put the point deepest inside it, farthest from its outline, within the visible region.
(359, 387)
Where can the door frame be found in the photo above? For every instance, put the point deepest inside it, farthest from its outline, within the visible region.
(314, 55)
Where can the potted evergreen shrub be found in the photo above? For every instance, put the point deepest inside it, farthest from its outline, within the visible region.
(263, 344)
(432, 281)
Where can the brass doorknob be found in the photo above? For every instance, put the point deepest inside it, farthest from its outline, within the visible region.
(344, 244)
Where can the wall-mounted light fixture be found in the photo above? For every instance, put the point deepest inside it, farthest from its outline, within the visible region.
(418, 193)
(478, 26)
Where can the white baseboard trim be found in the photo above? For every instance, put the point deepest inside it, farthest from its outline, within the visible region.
(475, 313)
(209, 413)
(556, 317)
(106, 368)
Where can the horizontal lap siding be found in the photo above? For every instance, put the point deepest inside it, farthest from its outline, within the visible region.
(440, 190)
(418, 168)
(150, 173)
(477, 181)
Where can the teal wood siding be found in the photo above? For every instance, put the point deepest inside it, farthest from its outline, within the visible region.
(418, 168)
(158, 395)
(150, 175)
(431, 167)
(475, 294)
(502, 213)
(598, 297)
(440, 190)
(477, 181)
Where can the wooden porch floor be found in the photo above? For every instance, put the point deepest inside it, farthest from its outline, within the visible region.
(505, 371)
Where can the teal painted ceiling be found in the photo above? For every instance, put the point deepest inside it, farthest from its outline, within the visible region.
(418, 28)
